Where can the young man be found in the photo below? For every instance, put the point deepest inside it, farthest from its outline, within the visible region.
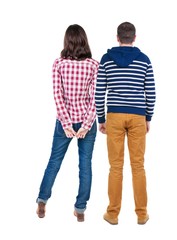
(126, 77)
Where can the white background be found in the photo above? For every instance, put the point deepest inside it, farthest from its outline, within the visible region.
(31, 37)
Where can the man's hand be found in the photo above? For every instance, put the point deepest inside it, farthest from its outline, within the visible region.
(147, 126)
(102, 128)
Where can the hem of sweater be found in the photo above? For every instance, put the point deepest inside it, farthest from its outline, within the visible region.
(130, 110)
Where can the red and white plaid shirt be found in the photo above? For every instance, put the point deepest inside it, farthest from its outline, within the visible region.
(74, 91)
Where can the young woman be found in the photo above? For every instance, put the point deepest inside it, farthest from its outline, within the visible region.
(74, 80)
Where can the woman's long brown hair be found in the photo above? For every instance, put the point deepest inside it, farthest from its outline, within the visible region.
(76, 44)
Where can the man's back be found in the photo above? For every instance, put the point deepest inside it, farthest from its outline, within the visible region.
(127, 75)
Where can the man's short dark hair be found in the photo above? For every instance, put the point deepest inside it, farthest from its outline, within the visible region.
(126, 32)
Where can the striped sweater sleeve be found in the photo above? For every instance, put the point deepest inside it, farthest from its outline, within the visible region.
(150, 92)
(101, 86)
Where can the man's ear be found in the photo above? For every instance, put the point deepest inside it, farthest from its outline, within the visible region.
(118, 39)
(134, 38)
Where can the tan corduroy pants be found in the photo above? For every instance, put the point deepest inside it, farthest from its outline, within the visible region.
(119, 125)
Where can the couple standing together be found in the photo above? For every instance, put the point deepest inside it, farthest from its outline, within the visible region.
(123, 81)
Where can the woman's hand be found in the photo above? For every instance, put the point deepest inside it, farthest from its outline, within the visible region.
(70, 132)
(81, 133)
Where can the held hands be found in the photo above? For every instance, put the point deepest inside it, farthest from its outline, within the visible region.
(69, 132)
(81, 133)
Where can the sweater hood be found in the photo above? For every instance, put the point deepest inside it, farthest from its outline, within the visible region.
(124, 55)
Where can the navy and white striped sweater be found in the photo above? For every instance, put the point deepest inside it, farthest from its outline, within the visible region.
(125, 77)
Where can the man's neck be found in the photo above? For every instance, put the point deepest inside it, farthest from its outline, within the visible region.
(126, 45)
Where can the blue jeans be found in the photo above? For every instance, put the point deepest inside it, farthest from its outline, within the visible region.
(59, 148)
